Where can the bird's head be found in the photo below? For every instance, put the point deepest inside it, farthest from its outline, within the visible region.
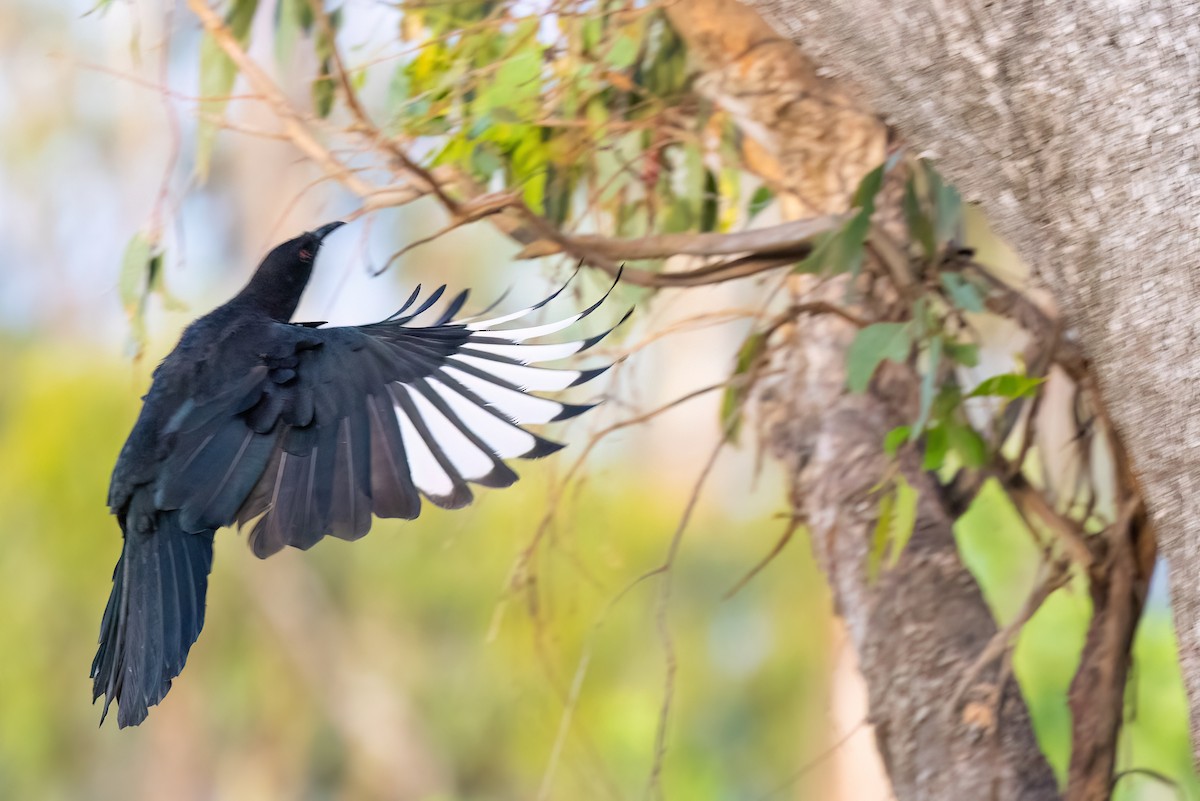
(283, 274)
(305, 246)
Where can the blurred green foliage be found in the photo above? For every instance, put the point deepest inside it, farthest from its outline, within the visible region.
(410, 638)
(410, 608)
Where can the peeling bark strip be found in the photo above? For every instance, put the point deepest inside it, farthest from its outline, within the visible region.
(1075, 124)
(806, 135)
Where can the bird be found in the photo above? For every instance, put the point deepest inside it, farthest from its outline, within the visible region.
(300, 431)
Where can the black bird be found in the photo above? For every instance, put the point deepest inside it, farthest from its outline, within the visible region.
(311, 431)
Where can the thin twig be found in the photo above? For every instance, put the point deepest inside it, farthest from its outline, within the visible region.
(293, 124)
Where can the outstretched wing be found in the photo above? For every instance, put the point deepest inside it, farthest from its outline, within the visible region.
(329, 426)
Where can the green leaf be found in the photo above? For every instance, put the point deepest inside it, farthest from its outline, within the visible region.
(929, 382)
(962, 293)
(947, 204)
(140, 271)
(623, 53)
(868, 188)
(965, 353)
(871, 346)
(593, 32)
(967, 443)
(323, 91)
(733, 398)
(893, 528)
(904, 519)
(134, 278)
(936, 444)
(920, 226)
(879, 540)
(709, 205)
(1008, 385)
(894, 439)
(762, 197)
(101, 7)
(678, 218)
(516, 87)
(217, 75)
(485, 162)
(287, 29)
(839, 251)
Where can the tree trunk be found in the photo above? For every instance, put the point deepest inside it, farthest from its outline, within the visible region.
(1075, 126)
(945, 727)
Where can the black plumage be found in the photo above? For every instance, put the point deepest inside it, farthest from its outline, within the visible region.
(305, 432)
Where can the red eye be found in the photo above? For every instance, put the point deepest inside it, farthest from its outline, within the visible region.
(305, 254)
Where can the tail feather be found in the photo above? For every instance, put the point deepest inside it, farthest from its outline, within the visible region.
(153, 616)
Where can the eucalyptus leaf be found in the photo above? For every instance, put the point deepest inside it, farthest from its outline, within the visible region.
(870, 347)
(623, 52)
(733, 398)
(217, 75)
(762, 197)
(962, 293)
(1008, 385)
(894, 439)
(933, 358)
(964, 353)
(936, 445)
(904, 519)
(967, 443)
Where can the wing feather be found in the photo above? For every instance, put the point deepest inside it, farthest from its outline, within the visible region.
(329, 427)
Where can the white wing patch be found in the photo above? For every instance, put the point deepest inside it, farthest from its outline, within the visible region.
(522, 334)
(468, 460)
(505, 439)
(518, 406)
(427, 474)
(529, 354)
(527, 378)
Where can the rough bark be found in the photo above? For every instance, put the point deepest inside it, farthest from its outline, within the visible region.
(1074, 124)
(920, 629)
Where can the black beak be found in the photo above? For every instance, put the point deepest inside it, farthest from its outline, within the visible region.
(327, 229)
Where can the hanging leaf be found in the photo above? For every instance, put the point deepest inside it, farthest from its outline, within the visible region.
(965, 353)
(709, 202)
(920, 226)
(936, 445)
(288, 27)
(141, 273)
(762, 197)
(871, 346)
(623, 52)
(947, 204)
(879, 539)
(134, 272)
(933, 358)
(904, 519)
(963, 293)
(868, 188)
(894, 439)
(217, 75)
(842, 250)
(734, 397)
(1008, 385)
(893, 528)
(967, 443)
(323, 91)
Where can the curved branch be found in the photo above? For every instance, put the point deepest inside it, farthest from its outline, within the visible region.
(773, 239)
